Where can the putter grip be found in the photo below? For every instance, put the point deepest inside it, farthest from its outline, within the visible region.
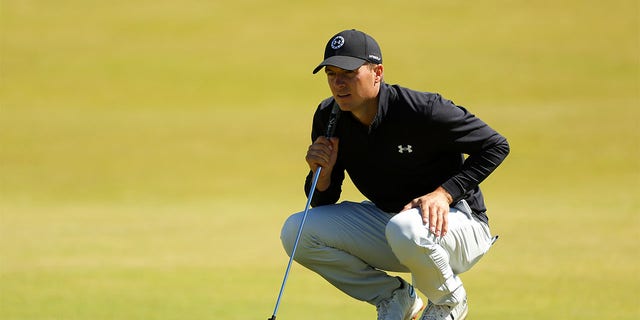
(333, 120)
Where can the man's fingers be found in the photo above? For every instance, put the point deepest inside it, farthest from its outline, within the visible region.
(323, 152)
(445, 224)
(442, 224)
(427, 211)
(424, 211)
(434, 211)
(319, 153)
(438, 222)
(413, 204)
(433, 219)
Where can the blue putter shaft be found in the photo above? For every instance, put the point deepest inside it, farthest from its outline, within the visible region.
(333, 119)
(295, 244)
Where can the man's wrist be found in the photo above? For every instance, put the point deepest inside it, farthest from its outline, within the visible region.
(446, 194)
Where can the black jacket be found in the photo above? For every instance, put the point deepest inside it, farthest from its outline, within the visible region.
(417, 142)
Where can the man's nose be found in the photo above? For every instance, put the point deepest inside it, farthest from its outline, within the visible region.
(339, 81)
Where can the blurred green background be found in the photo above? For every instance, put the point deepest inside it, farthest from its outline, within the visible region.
(150, 150)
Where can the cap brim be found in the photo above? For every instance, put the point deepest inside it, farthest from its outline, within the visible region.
(342, 62)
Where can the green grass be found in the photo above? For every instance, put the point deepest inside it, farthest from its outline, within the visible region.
(149, 152)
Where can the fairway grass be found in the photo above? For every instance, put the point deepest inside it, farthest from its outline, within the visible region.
(150, 151)
(212, 260)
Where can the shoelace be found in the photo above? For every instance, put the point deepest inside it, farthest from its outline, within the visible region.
(436, 312)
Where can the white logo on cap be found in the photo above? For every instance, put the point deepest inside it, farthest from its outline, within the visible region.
(337, 43)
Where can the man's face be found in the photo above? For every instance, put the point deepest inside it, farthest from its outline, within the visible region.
(354, 89)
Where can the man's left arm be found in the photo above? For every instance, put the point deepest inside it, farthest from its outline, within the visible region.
(461, 132)
(467, 134)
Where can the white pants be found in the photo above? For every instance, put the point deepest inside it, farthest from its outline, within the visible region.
(351, 245)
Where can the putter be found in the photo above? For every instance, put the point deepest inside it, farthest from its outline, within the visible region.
(331, 127)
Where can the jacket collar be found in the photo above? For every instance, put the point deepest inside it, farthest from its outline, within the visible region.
(384, 98)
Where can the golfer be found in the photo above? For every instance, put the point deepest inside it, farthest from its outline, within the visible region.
(418, 159)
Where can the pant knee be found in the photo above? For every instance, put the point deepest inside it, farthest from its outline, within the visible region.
(405, 228)
(289, 232)
(396, 234)
(408, 237)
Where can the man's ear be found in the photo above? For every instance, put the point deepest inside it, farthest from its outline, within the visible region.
(379, 71)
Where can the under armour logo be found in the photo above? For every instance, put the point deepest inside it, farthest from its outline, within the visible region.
(337, 43)
(402, 148)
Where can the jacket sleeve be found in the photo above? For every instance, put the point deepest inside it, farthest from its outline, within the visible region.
(463, 132)
(332, 194)
(329, 196)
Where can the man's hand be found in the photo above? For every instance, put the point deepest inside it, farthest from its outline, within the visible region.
(323, 153)
(434, 208)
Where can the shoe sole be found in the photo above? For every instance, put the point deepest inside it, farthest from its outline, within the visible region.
(415, 317)
(416, 312)
(464, 314)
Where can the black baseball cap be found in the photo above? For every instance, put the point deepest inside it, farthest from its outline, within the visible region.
(349, 50)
